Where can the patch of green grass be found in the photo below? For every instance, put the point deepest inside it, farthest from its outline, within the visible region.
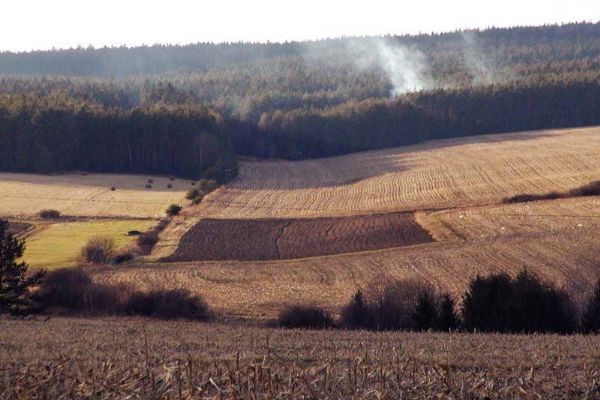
(59, 244)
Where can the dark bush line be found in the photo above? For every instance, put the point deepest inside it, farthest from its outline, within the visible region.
(496, 303)
(305, 317)
(147, 240)
(72, 290)
(591, 189)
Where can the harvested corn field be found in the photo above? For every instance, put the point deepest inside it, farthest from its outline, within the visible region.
(271, 239)
(439, 174)
(132, 358)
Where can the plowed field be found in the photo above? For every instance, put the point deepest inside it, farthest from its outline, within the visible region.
(270, 239)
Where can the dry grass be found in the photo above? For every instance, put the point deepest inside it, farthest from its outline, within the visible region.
(271, 239)
(444, 173)
(24, 195)
(108, 358)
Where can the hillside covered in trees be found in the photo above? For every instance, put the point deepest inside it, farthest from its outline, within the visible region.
(188, 110)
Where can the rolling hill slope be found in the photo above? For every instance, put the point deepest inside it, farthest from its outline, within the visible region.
(456, 188)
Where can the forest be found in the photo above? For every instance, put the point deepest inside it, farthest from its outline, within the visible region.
(190, 110)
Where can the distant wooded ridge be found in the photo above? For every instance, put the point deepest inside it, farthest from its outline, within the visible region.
(156, 109)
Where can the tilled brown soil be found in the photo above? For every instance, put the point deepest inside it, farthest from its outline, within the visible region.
(272, 239)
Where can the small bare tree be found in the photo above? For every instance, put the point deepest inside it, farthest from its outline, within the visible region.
(98, 250)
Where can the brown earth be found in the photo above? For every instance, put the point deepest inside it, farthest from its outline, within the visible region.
(272, 239)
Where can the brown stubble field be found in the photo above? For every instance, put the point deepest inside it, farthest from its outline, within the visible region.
(134, 358)
(438, 174)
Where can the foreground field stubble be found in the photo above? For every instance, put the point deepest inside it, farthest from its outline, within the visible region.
(119, 358)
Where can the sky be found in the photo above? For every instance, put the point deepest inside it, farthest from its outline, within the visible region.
(44, 24)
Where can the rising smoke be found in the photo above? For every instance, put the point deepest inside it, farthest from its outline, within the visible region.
(407, 68)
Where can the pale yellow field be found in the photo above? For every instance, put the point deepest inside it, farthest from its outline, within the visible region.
(24, 195)
(445, 173)
(59, 244)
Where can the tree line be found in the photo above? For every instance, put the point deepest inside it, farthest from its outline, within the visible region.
(188, 110)
(496, 303)
(55, 134)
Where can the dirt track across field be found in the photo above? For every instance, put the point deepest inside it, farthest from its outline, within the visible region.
(272, 239)
(18, 227)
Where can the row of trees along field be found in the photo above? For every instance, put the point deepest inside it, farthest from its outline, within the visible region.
(42, 134)
(187, 110)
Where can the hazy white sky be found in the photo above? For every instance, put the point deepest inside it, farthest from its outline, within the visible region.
(43, 24)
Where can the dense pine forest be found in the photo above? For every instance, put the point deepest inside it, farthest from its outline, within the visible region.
(188, 110)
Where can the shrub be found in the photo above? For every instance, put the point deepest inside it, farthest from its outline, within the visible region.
(386, 305)
(447, 319)
(524, 198)
(98, 250)
(148, 186)
(73, 289)
(112, 188)
(210, 186)
(591, 189)
(123, 257)
(147, 240)
(202, 184)
(485, 305)
(591, 316)
(49, 214)
(198, 200)
(168, 304)
(192, 194)
(169, 186)
(304, 317)
(524, 304)
(173, 210)
(150, 180)
(425, 315)
(355, 314)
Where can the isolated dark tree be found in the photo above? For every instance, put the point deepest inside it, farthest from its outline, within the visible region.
(425, 314)
(15, 283)
(355, 314)
(485, 305)
(447, 320)
(173, 210)
(536, 306)
(591, 316)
